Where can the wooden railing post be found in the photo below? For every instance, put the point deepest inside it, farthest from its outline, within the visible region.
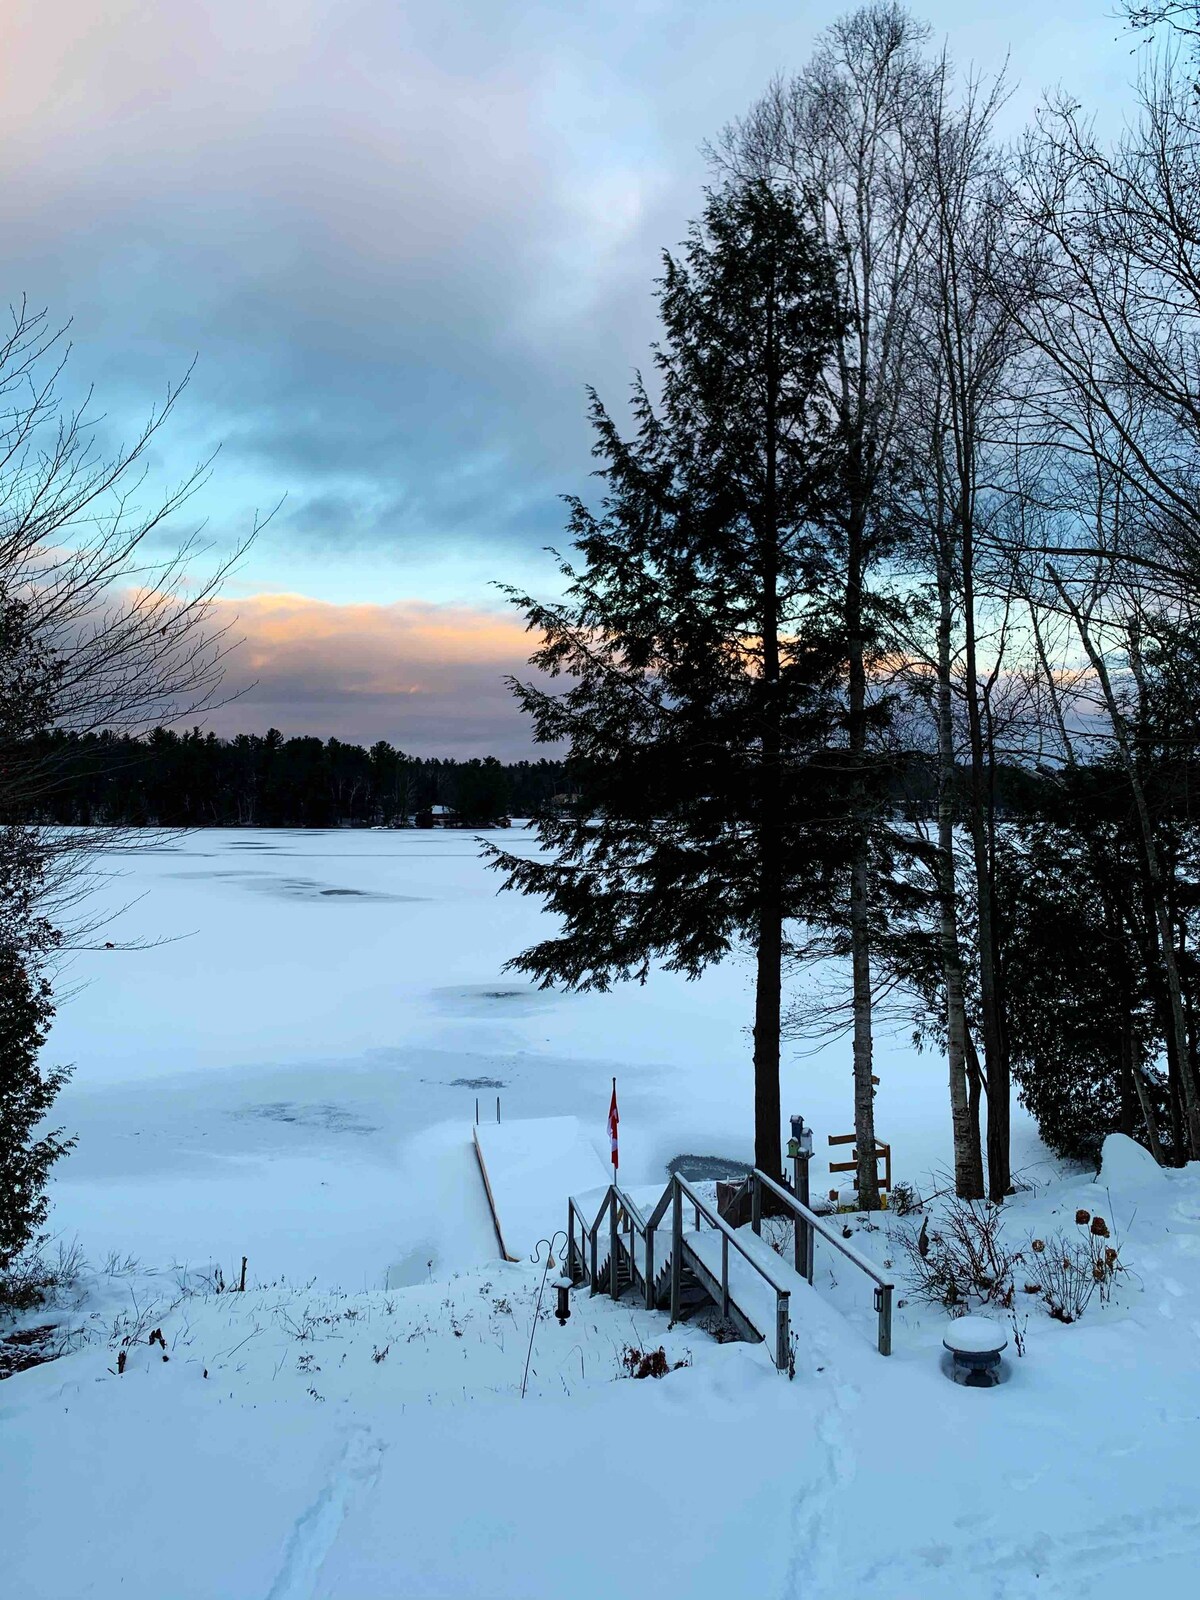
(648, 1259)
(803, 1238)
(614, 1286)
(676, 1247)
(883, 1299)
(755, 1203)
(725, 1276)
(782, 1331)
(592, 1232)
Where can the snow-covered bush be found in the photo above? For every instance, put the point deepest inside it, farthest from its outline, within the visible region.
(637, 1363)
(963, 1261)
(903, 1200)
(1067, 1270)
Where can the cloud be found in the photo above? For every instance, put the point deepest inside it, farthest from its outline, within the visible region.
(428, 678)
(401, 238)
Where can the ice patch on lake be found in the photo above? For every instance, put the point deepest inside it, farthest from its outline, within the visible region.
(301, 888)
(485, 1000)
(328, 1116)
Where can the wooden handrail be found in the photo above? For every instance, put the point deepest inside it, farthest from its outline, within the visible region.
(822, 1227)
(679, 1187)
(723, 1227)
(630, 1209)
(660, 1209)
(884, 1288)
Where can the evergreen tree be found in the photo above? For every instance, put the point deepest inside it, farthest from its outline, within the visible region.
(27, 1091)
(29, 679)
(706, 696)
(1082, 1027)
(481, 793)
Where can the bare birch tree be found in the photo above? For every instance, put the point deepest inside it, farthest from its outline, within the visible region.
(846, 134)
(956, 416)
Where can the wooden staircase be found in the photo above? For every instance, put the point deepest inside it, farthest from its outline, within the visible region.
(709, 1264)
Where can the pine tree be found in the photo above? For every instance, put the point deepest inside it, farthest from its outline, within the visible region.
(27, 1091)
(705, 707)
(29, 677)
(1083, 1033)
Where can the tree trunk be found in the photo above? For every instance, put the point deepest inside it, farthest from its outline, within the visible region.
(860, 879)
(1126, 1046)
(767, 999)
(1162, 1007)
(768, 1155)
(1129, 1062)
(968, 1156)
(995, 1055)
(1148, 1115)
(976, 1086)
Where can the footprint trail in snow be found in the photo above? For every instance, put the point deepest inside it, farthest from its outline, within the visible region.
(315, 1531)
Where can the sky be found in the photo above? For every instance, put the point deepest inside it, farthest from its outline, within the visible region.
(398, 240)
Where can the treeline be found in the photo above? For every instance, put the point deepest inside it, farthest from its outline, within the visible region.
(194, 779)
(197, 780)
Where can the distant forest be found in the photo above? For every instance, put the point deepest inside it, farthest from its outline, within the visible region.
(195, 779)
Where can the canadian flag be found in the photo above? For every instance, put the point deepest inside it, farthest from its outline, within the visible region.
(613, 1120)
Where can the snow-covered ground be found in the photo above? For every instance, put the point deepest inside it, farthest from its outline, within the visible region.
(292, 1077)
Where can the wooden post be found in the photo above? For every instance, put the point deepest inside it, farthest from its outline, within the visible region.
(676, 1248)
(649, 1263)
(724, 1274)
(755, 1203)
(614, 1287)
(798, 1230)
(782, 1352)
(242, 1280)
(883, 1152)
(592, 1237)
(883, 1300)
(803, 1240)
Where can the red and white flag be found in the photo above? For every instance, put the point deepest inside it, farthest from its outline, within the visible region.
(613, 1119)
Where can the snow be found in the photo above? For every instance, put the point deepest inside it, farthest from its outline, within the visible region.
(1124, 1164)
(532, 1166)
(292, 1076)
(973, 1336)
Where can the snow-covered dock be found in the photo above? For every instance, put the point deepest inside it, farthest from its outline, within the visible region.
(528, 1168)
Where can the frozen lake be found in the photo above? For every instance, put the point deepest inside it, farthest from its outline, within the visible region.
(291, 1072)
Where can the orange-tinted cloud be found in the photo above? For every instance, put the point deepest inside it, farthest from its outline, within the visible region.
(428, 678)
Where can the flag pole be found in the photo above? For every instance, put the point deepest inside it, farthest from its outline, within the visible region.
(613, 1120)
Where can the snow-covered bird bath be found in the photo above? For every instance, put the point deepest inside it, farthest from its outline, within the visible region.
(975, 1344)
